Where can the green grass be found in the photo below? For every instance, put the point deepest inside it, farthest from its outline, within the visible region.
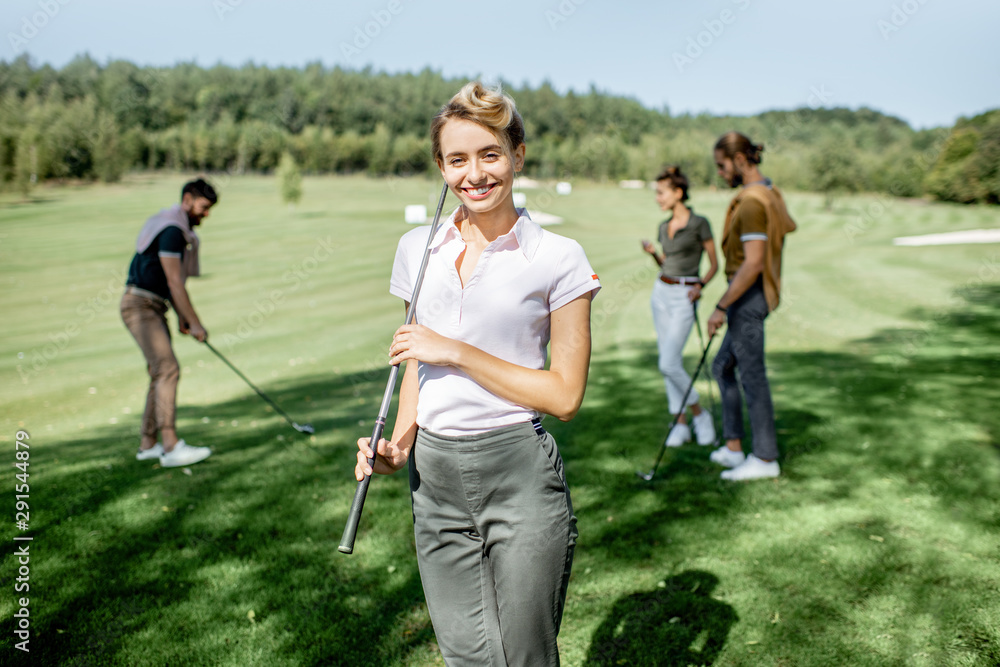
(877, 545)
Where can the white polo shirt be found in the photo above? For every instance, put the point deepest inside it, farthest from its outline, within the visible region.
(503, 310)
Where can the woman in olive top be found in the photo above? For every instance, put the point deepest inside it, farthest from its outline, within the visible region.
(684, 237)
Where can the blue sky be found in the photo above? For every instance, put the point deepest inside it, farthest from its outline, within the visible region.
(925, 61)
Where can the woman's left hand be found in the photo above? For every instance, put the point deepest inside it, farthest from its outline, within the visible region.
(415, 341)
(694, 293)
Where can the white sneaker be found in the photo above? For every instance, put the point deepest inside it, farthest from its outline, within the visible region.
(704, 428)
(184, 454)
(154, 452)
(678, 435)
(752, 468)
(726, 457)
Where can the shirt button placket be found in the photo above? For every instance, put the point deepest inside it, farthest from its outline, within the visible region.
(456, 313)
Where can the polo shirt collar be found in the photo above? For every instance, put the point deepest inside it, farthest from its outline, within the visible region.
(526, 233)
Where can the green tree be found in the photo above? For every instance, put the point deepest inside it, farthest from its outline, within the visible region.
(968, 168)
(380, 158)
(110, 158)
(289, 180)
(835, 170)
(411, 154)
(987, 161)
(26, 160)
(351, 150)
(953, 177)
(339, 120)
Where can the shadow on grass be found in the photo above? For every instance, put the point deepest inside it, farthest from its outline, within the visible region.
(913, 405)
(942, 371)
(140, 565)
(27, 201)
(234, 560)
(679, 624)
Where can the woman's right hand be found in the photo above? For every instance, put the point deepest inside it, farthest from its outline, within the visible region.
(649, 247)
(390, 458)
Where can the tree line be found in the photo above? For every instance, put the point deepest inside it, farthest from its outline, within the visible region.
(92, 121)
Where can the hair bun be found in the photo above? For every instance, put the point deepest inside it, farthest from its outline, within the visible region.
(734, 143)
(676, 178)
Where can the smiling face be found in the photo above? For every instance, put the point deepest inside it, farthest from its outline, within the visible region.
(667, 196)
(476, 168)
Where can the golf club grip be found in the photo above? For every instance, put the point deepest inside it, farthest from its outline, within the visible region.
(358, 504)
(351, 527)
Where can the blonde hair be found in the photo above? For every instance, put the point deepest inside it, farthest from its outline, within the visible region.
(488, 107)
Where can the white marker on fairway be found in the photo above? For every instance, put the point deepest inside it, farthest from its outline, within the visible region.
(415, 214)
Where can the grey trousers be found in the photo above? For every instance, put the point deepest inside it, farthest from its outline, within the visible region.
(743, 349)
(495, 534)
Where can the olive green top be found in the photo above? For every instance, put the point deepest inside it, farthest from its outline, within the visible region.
(682, 254)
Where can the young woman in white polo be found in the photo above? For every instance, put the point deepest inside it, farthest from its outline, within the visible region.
(493, 521)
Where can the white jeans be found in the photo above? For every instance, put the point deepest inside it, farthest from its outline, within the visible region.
(673, 316)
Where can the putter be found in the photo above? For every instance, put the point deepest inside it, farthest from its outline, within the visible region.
(301, 428)
(648, 476)
(351, 529)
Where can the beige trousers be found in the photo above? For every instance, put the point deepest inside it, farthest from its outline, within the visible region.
(147, 322)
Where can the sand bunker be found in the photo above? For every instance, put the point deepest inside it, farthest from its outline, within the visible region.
(951, 238)
(544, 218)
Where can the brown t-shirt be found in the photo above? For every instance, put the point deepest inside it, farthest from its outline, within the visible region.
(749, 224)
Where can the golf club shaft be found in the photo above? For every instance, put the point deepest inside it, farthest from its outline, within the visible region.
(358, 504)
(253, 386)
(701, 340)
(697, 323)
(677, 417)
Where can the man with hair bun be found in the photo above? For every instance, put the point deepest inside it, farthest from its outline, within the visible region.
(492, 518)
(752, 243)
(166, 254)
